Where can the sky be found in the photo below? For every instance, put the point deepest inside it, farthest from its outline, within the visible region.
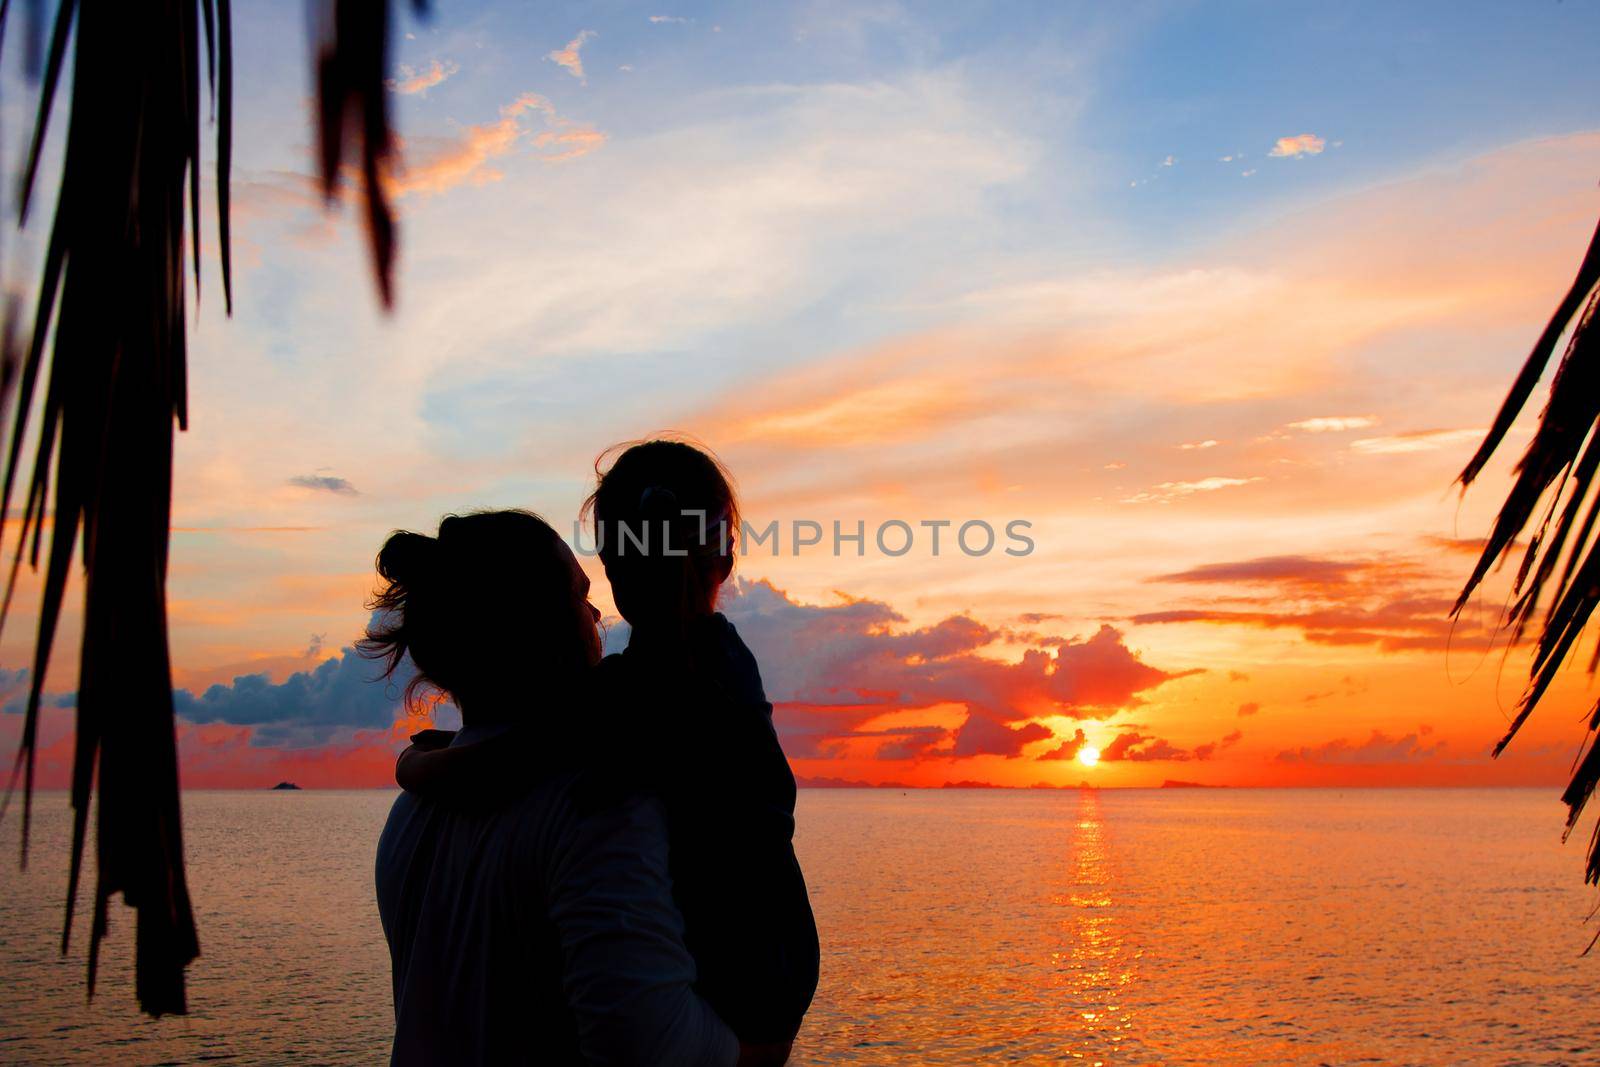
(1215, 300)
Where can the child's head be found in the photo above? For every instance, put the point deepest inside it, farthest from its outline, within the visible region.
(493, 608)
(665, 519)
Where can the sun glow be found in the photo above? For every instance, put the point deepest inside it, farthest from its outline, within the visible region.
(1088, 755)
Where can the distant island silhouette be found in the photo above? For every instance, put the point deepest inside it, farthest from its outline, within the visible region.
(286, 785)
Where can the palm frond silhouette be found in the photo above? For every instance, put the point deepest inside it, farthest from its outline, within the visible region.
(1554, 500)
(111, 311)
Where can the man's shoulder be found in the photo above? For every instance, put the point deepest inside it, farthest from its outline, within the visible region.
(595, 795)
(529, 832)
(594, 815)
(552, 794)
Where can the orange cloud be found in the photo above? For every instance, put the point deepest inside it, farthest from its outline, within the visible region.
(1467, 546)
(571, 142)
(568, 58)
(1415, 441)
(873, 412)
(1302, 144)
(1391, 605)
(469, 159)
(415, 81)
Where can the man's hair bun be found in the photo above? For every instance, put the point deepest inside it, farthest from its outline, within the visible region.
(409, 559)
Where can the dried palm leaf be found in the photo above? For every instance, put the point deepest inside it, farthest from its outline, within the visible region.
(353, 115)
(113, 286)
(1559, 465)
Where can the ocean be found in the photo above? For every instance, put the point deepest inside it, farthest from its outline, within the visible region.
(958, 927)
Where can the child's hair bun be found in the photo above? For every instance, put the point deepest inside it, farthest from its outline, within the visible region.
(658, 502)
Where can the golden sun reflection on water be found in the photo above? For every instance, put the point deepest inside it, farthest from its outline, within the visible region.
(1097, 965)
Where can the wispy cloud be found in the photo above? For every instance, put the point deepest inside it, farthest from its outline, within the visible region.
(570, 57)
(1333, 423)
(1391, 604)
(1166, 491)
(659, 19)
(1301, 144)
(1466, 546)
(872, 413)
(568, 141)
(420, 81)
(1195, 446)
(324, 482)
(1415, 441)
(1291, 570)
(468, 159)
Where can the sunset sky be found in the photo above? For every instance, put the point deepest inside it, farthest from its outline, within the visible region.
(1219, 298)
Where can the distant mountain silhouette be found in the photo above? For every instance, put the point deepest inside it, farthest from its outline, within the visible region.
(966, 783)
(847, 783)
(286, 785)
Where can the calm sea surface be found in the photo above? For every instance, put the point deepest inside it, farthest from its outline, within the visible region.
(1115, 927)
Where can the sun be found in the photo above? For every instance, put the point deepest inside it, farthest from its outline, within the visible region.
(1088, 755)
